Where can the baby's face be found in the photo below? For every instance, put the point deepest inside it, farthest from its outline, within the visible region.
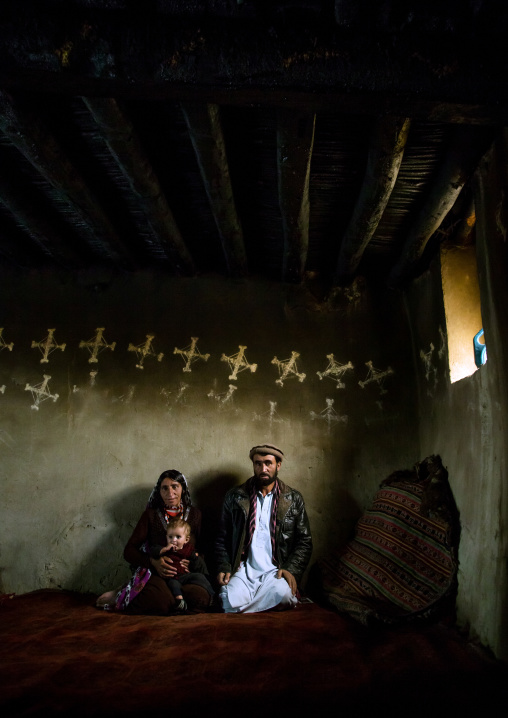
(177, 538)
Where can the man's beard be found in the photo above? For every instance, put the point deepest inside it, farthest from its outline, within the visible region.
(266, 480)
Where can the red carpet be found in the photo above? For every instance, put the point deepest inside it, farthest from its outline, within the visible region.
(60, 655)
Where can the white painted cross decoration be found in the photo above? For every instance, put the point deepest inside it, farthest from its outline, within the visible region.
(180, 394)
(128, 396)
(238, 363)
(225, 397)
(288, 368)
(335, 371)
(96, 344)
(191, 354)
(144, 350)
(40, 392)
(182, 388)
(376, 375)
(442, 348)
(426, 358)
(271, 416)
(329, 415)
(47, 346)
(3, 345)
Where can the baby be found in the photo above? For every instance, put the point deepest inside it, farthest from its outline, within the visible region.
(178, 547)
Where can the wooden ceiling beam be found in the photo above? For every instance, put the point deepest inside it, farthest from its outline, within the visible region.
(42, 150)
(300, 99)
(387, 144)
(205, 130)
(409, 64)
(466, 148)
(122, 140)
(295, 140)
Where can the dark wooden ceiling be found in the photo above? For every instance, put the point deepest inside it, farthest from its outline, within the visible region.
(290, 140)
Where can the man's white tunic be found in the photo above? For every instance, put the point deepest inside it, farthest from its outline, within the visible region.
(255, 586)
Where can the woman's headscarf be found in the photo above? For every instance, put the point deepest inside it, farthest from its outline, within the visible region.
(155, 501)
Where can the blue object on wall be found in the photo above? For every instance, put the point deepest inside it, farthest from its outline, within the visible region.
(480, 350)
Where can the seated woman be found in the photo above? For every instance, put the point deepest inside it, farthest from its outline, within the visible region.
(147, 591)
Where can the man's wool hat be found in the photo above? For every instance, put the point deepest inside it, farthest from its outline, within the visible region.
(266, 449)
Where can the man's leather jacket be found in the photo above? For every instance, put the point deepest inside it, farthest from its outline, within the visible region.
(293, 540)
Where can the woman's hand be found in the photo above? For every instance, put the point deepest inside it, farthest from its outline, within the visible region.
(164, 566)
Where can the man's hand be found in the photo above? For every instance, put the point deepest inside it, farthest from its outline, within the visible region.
(223, 579)
(282, 573)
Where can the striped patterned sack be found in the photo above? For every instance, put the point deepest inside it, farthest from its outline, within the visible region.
(402, 562)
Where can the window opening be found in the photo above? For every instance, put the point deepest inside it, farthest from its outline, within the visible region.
(461, 293)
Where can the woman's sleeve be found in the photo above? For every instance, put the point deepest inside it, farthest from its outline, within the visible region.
(132, 553)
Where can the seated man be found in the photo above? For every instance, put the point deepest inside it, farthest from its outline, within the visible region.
(264, 542)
